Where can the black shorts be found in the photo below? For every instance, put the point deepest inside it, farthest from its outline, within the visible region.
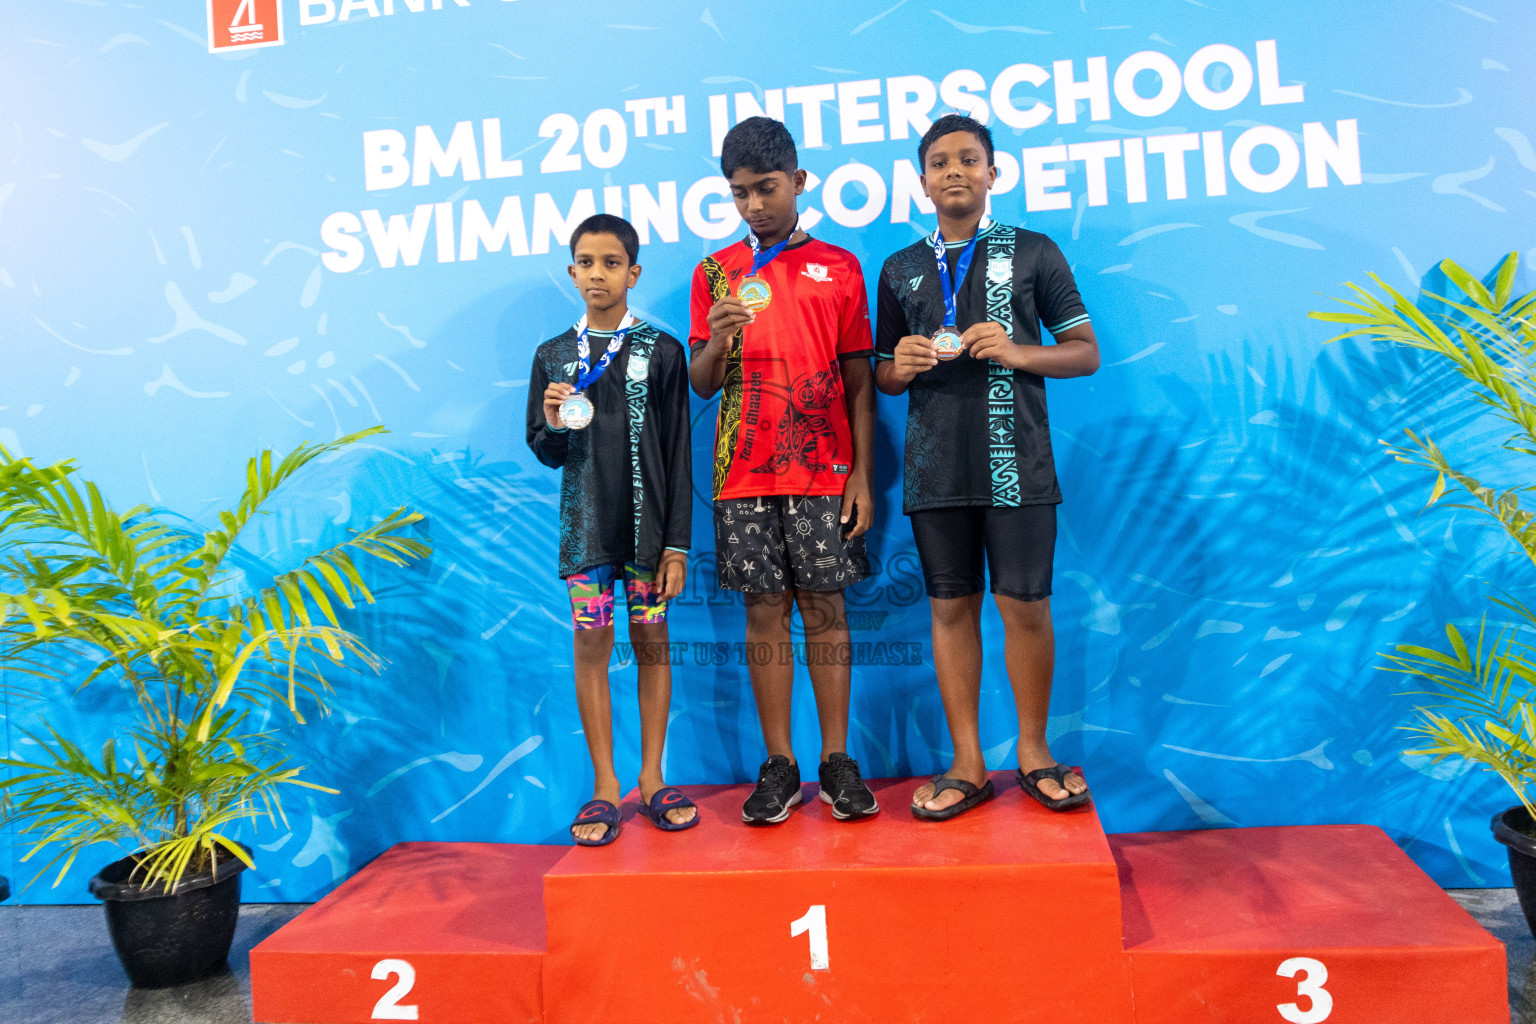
(1019, 545)
(772, 544)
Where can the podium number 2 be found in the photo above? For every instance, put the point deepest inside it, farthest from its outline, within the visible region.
(388, 1007)
(815, 922)
(1313, 975)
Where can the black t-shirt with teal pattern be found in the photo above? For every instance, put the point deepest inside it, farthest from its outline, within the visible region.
(626, 485)
(978, 433)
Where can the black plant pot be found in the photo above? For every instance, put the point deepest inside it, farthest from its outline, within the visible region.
(170, 937)
(1507, 829)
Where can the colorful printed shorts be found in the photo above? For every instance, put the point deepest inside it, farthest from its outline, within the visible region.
(592, 595)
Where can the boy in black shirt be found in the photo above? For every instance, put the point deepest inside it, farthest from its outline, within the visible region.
(608, 402)
(959, 330)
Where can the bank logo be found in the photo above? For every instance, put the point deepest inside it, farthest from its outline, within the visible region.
(244, 24)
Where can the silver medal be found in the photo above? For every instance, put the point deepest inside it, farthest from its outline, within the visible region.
(576, 411)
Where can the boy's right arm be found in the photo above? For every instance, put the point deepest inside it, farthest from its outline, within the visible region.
(900, 355)
(713, 323)
(546, 437)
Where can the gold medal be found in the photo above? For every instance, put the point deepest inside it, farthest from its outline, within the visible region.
(754, 293)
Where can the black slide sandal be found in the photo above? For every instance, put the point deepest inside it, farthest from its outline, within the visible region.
(666, 799)
(973, 796)
(597, 812)
(1029, 783)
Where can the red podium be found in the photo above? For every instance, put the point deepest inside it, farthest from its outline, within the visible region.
(1008, 914)
(428, 931)
(888, 919)
(1240, 925)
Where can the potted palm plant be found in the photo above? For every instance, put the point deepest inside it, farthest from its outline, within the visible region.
(89, 594)
(1479, 698)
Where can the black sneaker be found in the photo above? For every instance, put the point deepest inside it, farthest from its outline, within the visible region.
(778, 790)
(843, 788)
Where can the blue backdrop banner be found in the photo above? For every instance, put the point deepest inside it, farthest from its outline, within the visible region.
(234, 224)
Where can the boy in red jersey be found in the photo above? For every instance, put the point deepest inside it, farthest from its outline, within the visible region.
(781, 324)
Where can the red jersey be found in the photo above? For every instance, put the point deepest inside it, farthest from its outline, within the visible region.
(783, 421)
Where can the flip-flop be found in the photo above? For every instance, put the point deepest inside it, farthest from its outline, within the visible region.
(1029, 783)
(973, 795)
(597, 812)
(665, 799)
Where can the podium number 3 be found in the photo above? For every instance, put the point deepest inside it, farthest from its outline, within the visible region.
(1313, 975)
(815, 922)
(388, 1007)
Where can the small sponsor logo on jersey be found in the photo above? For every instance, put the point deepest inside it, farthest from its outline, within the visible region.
(999, 269)
(840, 469)
(917, 281)
(816, 272)
(638, 366)
(244, 24)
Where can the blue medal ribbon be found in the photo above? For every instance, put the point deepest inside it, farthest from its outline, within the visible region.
(762, 257)
(961, 266)
(588, 373)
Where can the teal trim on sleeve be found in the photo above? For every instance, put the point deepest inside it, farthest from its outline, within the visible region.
(1070, 323)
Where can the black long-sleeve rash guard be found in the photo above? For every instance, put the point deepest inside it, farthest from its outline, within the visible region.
(626, 486)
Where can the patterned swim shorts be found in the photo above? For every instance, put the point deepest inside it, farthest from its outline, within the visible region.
(772, 544)
(591, 593)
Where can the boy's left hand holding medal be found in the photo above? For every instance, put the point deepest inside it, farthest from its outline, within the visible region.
(988, 340)
(553, 396)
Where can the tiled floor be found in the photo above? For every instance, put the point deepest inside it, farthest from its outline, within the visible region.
(57, 967)
(1497, 910)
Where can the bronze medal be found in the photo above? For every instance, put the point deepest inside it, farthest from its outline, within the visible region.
(946, 343)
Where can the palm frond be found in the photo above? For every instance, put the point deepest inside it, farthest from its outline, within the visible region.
(1479, 697)
(262, 479)
(89, 593)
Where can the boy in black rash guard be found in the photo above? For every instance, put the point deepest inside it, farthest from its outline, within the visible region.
(959, 330)
(608, 403)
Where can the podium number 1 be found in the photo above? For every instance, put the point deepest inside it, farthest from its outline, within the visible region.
(815, 922)
(1313, 975)
(388, 1007)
